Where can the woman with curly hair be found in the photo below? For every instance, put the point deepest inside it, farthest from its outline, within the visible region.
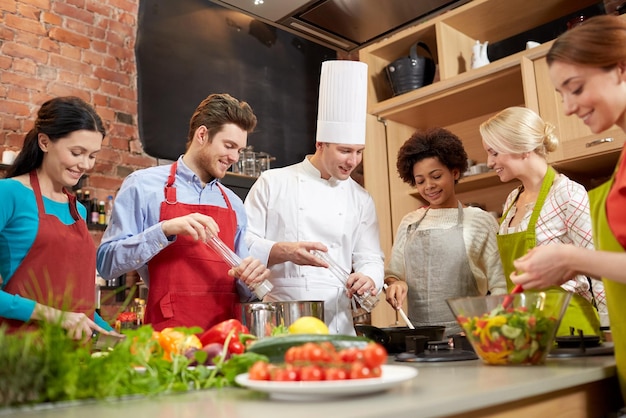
(445, 249)
(548, 207)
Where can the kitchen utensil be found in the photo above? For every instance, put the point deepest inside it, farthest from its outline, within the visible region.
(234, 260)
(394, 338)
(367, 301)
(259, 317)
(262, 317)
(523, 334)
(104, 342)
(287, 312)
(401, 312)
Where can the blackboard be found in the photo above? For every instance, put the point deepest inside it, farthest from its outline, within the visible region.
(188, 49)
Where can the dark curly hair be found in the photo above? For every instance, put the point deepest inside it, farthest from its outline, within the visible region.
(435, 142)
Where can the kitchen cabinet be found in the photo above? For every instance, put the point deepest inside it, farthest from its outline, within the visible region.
(461, 98)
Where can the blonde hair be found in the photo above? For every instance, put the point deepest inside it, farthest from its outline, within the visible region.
(516, 130)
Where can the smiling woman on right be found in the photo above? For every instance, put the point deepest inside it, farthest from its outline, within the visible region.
(588, 68)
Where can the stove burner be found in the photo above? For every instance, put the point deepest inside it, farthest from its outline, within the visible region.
(599, 350)
(437, 351)
(431, 356)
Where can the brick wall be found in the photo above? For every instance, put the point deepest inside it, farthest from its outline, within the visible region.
(84, 48)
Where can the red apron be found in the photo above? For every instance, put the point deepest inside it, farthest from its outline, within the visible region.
(59, 270)
(189, 282)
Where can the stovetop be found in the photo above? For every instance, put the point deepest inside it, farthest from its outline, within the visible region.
(603, 349)
(440, 355)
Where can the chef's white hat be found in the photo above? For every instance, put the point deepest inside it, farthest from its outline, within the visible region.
(342, 102)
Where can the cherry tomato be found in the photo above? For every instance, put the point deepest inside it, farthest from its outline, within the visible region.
(311, 373)
(374, 355)
(314, 353)
(350, 355)
(359, 370)
(335, 373)
(284, 374)
(259, 371)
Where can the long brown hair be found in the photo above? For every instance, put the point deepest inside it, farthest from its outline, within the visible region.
(598, 42)
(57, 118)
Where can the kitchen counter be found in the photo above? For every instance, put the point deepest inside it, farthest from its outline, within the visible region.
(585, 387)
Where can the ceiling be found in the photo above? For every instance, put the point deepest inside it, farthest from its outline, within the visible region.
(343, 25)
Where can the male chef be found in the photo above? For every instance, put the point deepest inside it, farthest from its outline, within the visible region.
(316, 205)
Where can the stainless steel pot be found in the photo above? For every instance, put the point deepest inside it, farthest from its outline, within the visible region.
(288, 312)
(259, 317)
(262, 317)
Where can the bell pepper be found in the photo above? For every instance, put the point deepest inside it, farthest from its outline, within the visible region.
(220, 332)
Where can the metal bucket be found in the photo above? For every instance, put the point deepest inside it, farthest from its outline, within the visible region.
(262, 317)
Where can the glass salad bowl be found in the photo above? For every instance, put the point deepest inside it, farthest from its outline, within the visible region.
(511, 329)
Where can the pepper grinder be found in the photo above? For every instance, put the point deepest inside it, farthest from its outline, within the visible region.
(234, 260)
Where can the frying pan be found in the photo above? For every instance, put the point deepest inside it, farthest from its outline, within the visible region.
(394, 338)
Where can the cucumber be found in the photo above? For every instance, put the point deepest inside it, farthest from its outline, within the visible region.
(276, 347)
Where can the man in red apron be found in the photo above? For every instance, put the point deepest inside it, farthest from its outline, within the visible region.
(163, 215)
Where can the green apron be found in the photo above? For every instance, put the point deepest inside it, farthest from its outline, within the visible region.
(580, 314)
(604, 240)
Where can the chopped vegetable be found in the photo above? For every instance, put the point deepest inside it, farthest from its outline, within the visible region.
(510, 335)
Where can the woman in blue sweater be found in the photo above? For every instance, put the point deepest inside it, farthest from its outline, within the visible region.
(47, 256)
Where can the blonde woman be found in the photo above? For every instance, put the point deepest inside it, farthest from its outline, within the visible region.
(548, 207)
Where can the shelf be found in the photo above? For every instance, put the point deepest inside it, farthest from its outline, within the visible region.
(96, 227)
(466, 96)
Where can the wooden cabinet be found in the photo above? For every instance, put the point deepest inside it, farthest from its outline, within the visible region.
(462, 98)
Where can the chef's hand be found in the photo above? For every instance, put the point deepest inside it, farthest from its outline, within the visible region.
(78, 325)
(396, 293)
(543, 266)
(359, 283)
(196, 225)
(297, 252)
(251, 271)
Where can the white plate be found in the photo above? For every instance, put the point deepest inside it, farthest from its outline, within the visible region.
(391, 376)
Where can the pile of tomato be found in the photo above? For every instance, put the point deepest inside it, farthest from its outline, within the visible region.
(321, 361)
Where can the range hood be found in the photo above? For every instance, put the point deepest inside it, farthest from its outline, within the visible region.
(343, 25)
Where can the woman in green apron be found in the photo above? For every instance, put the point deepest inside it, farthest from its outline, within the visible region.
(548, 207)
(588, 68)
(443, 250)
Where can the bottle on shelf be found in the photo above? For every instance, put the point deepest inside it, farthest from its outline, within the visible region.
(101, 213)
(109, 209)
(86, 201)
(94, 211)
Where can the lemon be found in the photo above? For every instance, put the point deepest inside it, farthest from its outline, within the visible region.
(308, 325)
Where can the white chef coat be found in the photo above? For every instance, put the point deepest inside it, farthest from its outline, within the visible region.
(295, 203)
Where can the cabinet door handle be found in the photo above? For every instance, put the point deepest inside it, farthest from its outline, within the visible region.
(598, 142)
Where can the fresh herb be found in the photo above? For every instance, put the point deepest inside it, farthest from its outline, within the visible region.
(45, 365)
(279, 330)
